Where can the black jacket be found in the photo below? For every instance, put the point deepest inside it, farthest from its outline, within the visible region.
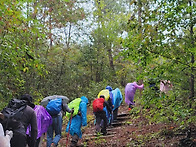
(107, 106)
(29, 118)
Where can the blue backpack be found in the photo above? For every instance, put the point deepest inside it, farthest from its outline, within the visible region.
(54, 106)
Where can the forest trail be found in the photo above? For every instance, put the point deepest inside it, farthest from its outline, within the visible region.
(131, 132)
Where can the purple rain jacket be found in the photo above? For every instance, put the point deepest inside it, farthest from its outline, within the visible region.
(130, 92)
(43, 120)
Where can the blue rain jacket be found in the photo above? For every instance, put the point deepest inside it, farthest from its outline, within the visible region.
(108, 115)
(109, 88)
(111, 94)
(78, 121)
(117, 98)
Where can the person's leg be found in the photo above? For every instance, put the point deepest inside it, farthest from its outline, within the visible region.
(98, 123)
(18, 140)
(104, 118)
(115, 113)
(41, 140)
(132, 100)
(50, 134)
(109, 118)
(130, 106)
(58, 129)
(37, 142)
(28, 140)
(74, 140)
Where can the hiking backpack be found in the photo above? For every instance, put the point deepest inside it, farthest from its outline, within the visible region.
(98, 104)
(106, 94)
(13, 114)
(54, 106)
(74, 105)
(45, 101)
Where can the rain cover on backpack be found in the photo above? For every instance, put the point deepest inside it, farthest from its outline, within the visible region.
(104, 92)
(117, 98)
(74, 104)
(54, 106)
(45, 101)
(44, 120)
(98, 104)
(13, 113)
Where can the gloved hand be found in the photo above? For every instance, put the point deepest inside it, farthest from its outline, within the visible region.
(9, 133)
(72, 110)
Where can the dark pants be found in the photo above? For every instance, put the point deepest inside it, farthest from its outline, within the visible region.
(130, 106)
(74, 140)
(101, 116)
(115, 113)
(37, 141)
(18, 140)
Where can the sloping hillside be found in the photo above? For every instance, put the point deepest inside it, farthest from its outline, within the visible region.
(132, 130)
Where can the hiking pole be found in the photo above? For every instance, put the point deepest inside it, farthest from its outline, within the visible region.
(69, 129)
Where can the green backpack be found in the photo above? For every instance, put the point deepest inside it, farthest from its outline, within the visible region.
(74, 104)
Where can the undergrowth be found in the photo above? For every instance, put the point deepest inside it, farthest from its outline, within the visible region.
(166, 109)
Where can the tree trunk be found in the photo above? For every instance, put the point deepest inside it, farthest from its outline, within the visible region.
(192, 84)
(111, 62)
(140, 16)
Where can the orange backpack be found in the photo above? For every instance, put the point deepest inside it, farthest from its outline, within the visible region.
(98, 104)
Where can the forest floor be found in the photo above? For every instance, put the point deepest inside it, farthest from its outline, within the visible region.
(131, 131)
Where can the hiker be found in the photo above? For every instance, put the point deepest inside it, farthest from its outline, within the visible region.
(100, 114)
(54, 108)
(22, 116)
(110, 100)
(4, 139)
(44, 120)
(165, 86)
(107, 93)
(117, 100)
(152, 85)
(130, 90)
(28, 119)
(77, 120)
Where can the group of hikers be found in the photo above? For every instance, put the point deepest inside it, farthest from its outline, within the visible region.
(22, 123)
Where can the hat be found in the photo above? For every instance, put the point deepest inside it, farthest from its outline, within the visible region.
(109, 88)
(85, 99)
(102, 96)
(29, 100)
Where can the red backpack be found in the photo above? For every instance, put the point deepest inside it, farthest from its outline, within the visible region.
(98, 104)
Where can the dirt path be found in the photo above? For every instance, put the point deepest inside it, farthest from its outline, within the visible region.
(131, 132)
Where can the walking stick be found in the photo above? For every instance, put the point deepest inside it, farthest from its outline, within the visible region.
(69, 129)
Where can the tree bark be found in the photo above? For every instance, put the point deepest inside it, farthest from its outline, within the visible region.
(192, 84)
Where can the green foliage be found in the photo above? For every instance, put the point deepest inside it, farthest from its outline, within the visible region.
(166, 109)
(40, 53)
(99, 141)
(156, 43)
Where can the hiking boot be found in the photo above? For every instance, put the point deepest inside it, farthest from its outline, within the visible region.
(114, 121)
(53, 145)
(105, 133)
(131, 106)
